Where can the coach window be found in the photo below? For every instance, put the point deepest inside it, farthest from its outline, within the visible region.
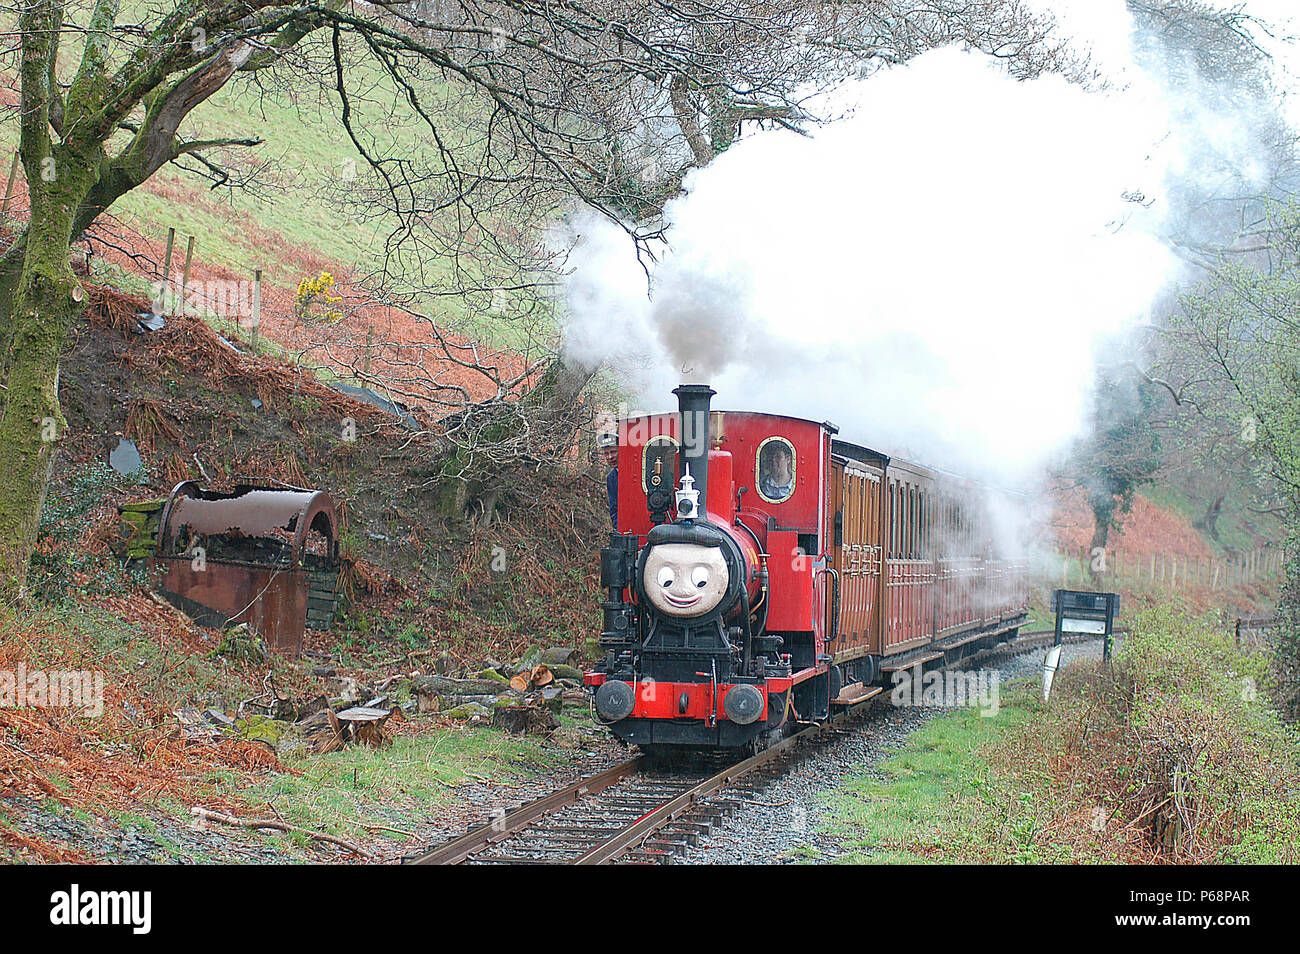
(896, 524)
(928, 522)
(774, 463)
(922, 518)
(922, 543)
(905, 525)
(913, 524)
(659, 463)
(905, 544)
(893, 520)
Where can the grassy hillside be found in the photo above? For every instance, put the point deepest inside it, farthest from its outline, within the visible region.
(291, 221)
(425, 595)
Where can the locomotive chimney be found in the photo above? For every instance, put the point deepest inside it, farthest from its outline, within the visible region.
(693, 405)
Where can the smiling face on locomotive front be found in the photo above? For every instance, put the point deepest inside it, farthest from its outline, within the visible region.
(685, 580)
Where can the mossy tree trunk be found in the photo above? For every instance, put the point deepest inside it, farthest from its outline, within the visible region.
(1103, 505)
(38, 296)
(140, 81)
(42, 304)
(71, 180)
(47, 300)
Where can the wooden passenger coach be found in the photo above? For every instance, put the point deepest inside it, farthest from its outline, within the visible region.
(917, 558)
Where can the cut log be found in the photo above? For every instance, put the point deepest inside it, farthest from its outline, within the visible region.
(558, 656)
(364, 714)
(445, 686)
(525, 720)
(450, 702)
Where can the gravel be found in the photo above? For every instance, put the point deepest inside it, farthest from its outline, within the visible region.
(478, 802)
(157, 839)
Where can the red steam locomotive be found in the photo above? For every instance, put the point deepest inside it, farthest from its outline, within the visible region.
(763, 571)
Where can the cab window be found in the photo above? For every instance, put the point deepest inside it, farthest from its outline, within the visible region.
(659, 464)
(775, 465)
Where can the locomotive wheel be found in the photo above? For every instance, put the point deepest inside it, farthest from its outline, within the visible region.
(835, 682)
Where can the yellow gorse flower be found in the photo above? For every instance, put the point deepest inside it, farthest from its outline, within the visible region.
(319, 288)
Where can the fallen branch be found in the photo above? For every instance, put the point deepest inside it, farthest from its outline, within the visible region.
(207, 815)
(397, 831)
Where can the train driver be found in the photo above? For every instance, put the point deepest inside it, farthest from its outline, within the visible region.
(776, 471)
(608, 442)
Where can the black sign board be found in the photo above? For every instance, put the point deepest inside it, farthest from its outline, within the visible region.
(1079, 611)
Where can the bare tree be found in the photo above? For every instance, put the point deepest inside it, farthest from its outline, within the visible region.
(529, 108)
(645, 129)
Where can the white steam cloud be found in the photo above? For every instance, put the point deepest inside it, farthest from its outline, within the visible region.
(938, 273)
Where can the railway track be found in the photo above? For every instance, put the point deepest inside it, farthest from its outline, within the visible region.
(641, 813)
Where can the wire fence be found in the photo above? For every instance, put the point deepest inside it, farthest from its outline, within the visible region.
(1175, 571)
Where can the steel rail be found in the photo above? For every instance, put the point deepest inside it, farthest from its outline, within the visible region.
(633, 836)
(499, 829)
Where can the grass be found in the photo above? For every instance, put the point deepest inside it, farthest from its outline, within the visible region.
(935, 802)
(83, 636)
(1171, 755)
(359, 793)
(1238, 527)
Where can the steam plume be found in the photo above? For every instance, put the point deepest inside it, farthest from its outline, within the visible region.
(938, 273)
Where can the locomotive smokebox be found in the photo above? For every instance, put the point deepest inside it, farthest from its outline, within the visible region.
(693, 406)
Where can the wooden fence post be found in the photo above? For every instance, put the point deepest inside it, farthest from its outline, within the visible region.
(257, 306)
(9, 186)
(185, 275)
(167, 255)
